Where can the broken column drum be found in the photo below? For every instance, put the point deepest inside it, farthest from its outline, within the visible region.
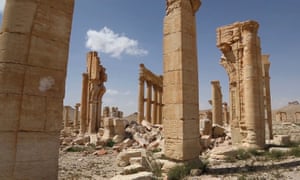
(180, 81)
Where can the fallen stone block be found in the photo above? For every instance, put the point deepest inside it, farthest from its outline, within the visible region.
(138, 176)
(124, 156)
(281, 140)
(133, 168)
(218, 131)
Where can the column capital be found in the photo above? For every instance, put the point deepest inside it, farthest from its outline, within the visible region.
(250, 26)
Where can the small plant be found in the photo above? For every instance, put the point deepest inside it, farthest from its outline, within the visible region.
(178, 172)
(295, 152)
(275, 155)
(110, 143)
(153, 165)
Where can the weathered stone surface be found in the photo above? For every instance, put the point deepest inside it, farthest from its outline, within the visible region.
(138, 176)
(33, 59)
(180, 82)
(124, 156)
(248, 101)
(133, 168)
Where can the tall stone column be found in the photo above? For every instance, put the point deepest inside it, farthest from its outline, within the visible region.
(67, 116)
(160, 106)
(216, 103)
(84, 95)
(180, 82)
(76, 115)
(34, 44)
(225, 113)
(266, 65)
(154, 109)
(141, 100)
(149, 99)
(254, 117)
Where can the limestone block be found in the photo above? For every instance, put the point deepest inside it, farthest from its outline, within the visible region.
(124, 156)
(9, 113)
(180, 149)
(281, 140)
(184, 128)
(205, 141)
(284, 150)
(218, 131)
(135, 160)
(119, 127)
(44, 82)
(205, 126)
(138, 176)
(7, 155)
(36, 152)
(94, 139)
(33, 113)
(22, 21)
(11, 78)
(47, 53)
(117, 138)
(54, 114)
(15, 41)
(133, 168)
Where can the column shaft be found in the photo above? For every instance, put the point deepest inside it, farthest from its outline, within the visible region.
(149, 99)
(141, 100)
(84, 103)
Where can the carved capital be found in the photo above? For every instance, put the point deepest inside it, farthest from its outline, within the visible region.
(195, 5)
(250, 26)
(225, 47)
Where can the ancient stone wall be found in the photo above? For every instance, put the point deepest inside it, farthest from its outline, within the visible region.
(153, 101)
(180, 82)
(34, 43)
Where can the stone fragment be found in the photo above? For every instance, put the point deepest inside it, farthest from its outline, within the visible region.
(138, 176)
(133, 168)
(282, 140)
(124, 156)
(218, 131)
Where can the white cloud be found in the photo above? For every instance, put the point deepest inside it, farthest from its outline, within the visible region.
(2, 4)
(112, 92)
(109, 42)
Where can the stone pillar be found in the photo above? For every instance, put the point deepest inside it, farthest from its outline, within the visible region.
(67, 116)
(141, 100)
(160, 106)
(266, 67)
(154, 109)
(76, 116)
(34, 44)
(180, 82)
(83, 112)
(149, 99)
(216, 103)
(225, 113)
(254, 117)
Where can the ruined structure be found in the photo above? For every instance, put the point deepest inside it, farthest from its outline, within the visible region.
(34, 42)
(112, 112)
(153, 102)
(76, 116)
(225, 113)
(67, 111)
(180, 82)
(92, 91)
(216, 103)
(242, 60)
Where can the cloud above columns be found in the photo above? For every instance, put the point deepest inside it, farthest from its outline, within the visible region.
(113, 44)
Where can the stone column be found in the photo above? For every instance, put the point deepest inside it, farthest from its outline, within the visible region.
(225, 113)
(76, 116)
(254, 117)
(67, 116)
(216, 103)
(141, 100)
(149, 99)
(266, 65)
(154, 109)
(84, 94)
(180, 82)
(160, 106)
(34, 44)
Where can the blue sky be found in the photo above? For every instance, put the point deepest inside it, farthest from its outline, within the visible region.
(129, 32)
